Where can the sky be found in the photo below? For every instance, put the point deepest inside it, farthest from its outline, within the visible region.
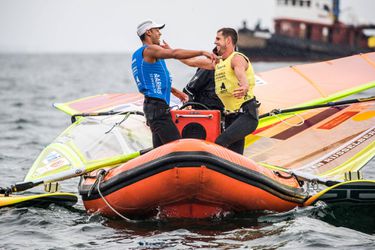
(37, 26)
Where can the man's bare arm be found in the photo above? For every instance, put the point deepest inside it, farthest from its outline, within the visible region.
(199, 62)
(153, 52)
(240, 65)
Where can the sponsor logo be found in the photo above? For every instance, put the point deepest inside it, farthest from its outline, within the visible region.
(220, 67)
(51, 157)
(345, 149)
(223, 89)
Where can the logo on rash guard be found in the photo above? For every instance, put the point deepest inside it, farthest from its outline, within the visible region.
(156, 83)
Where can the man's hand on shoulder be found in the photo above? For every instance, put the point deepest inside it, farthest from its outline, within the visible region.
(165, 45)
(209, 55)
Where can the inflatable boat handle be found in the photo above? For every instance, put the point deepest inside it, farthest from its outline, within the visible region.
(194, 116)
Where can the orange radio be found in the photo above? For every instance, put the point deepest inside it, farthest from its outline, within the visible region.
(198, 124)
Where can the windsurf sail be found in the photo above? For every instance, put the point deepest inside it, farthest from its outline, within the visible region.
(314, 83)
(325, 142)
(91, 142)
(95, 141)
(104, 140)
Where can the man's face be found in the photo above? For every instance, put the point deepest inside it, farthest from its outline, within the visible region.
(220, 42)
(155, 35)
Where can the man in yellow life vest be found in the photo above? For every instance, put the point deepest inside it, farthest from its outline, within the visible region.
(234, 83)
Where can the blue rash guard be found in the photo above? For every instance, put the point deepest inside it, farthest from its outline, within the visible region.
(153, 79)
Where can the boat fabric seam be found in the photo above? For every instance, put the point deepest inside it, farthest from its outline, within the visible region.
(225, 167)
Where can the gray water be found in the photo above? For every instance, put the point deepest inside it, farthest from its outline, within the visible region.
(29, 84)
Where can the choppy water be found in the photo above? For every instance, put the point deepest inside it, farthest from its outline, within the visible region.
(29, 84)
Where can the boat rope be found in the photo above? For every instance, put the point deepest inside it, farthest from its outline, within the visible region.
(300, 123)
(101, 174)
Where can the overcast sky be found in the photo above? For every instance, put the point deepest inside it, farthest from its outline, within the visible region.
(110, 25)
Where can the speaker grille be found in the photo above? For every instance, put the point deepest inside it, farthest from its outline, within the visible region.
(194, 130)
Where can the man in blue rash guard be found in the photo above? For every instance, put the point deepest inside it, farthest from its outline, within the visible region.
(154, 81)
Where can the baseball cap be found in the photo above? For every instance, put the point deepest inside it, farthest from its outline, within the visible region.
(147, 25)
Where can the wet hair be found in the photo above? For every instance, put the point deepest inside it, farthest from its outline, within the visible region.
(230, 32)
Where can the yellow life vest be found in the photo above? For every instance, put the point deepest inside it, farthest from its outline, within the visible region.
(226, 82)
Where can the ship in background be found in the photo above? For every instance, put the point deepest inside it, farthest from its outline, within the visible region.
(306, 30)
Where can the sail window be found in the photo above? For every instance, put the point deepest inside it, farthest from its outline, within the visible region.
(105, 137)
(93, 142)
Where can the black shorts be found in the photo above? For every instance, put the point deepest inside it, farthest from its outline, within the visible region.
(160, 121)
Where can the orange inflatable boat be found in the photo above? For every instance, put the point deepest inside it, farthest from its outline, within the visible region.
(189, 178)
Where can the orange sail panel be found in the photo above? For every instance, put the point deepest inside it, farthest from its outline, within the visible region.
(296, 85)
(328, 142)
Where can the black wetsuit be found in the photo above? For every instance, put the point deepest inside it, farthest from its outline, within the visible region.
(201, 88)
(238, 125)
